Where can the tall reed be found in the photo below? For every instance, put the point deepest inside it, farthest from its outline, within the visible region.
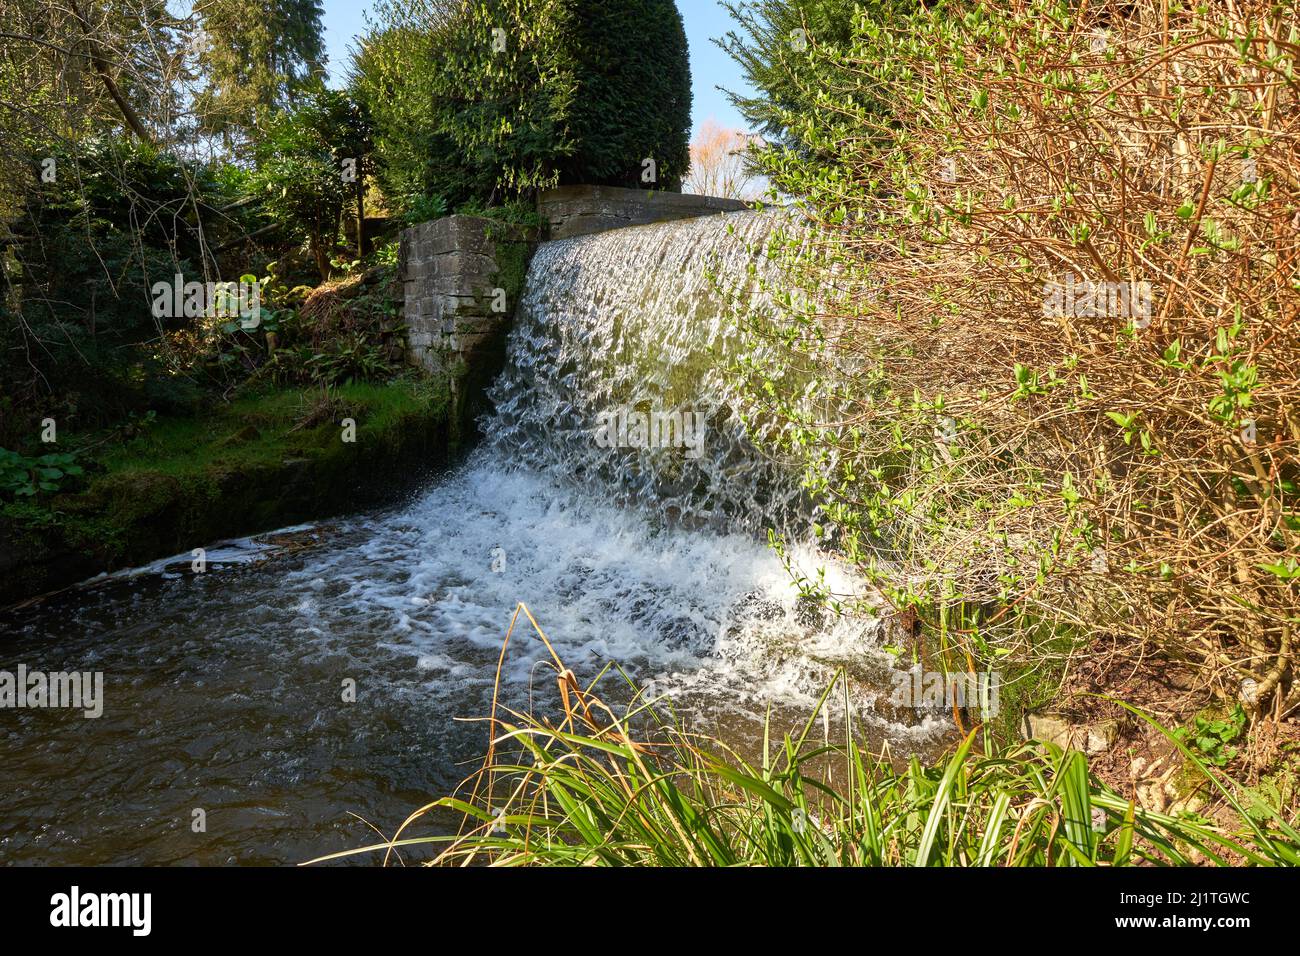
(634, 787)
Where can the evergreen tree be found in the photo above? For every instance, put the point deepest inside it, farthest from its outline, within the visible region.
(633, 103)
(539, 92)
(777, 46)
(256, 56)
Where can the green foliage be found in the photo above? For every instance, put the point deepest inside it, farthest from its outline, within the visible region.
(303, 159)
(1213, 735)
(496, 98)
(633, 93)
(602, 788)
(516, 213)
(774, 49)
(790, 52)
(346, 331)
(424, 208)
(51, 90)
(256, 55)
(541, 92)
(339, 362)
(82, 339)
(25, 477)
(1277, 790)
(417, 165)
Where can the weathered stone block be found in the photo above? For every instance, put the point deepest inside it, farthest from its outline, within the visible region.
(582, 210)
(450, 274)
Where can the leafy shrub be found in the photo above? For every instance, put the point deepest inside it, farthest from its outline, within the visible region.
(1031, 438)
(300, 168)
(489, 100)
(417, 165)
(25, 477)
(423, 208)
(1213, 736)
(81, 340)
(347, 330)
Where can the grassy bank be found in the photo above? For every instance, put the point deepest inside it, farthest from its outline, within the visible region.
(262, 461)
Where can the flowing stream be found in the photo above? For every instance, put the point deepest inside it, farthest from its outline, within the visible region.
(225, 693)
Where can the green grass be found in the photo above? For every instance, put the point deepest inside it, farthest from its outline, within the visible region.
(258, 430)
(636, 789)
(260, 462)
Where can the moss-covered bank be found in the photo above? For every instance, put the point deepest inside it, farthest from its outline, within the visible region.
(258, 463)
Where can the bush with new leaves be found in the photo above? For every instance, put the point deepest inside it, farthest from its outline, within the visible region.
(1052, 309)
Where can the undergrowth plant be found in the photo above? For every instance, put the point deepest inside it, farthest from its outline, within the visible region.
(1036, 349)
(25, 477)
(596, 786)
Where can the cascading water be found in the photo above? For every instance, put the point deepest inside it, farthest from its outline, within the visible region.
(226, 692)
(632, 321)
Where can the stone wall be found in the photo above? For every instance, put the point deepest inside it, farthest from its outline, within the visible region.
(461, 279)
(583, 210)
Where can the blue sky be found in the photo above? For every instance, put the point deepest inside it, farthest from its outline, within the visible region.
(705, 19)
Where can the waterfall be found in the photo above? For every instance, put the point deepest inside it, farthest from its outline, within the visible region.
(630, 323)
(649, 320)
(223, 688)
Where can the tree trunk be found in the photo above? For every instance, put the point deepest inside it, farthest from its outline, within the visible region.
(101, 67)
(361, 215)
(318, 252)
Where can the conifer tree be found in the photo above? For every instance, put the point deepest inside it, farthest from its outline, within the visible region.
(255, 56)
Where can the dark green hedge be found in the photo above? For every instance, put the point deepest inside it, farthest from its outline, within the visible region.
(569, 91)
(633, 93)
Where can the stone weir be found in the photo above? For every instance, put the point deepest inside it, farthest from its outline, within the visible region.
(462, 277)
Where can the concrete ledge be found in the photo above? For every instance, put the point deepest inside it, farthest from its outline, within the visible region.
(584, 210)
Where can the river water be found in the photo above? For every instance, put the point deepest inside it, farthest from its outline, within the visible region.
(313, 687)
